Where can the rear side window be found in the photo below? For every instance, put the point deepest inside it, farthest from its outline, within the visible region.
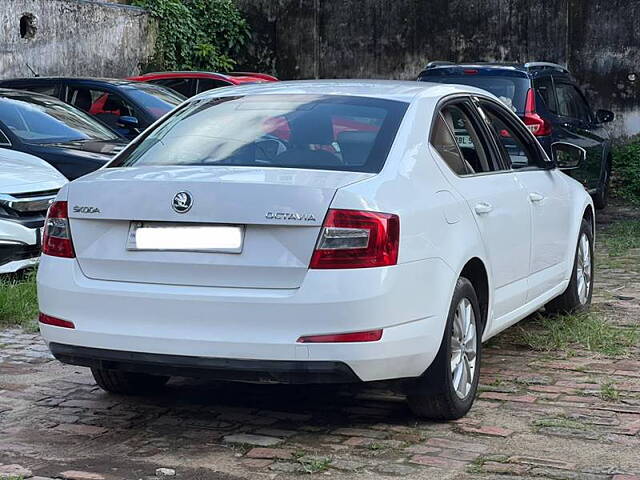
(444, 142)
(205, 84)
(460, 142)
(184, 86)
(298, 131)
(51, 90)
(544, 88)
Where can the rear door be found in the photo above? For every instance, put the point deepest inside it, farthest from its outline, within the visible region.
(578, 126)
(495, 197)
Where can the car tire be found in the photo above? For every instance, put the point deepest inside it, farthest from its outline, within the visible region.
(601, 198)
(128, 383)
(441, 392)
(577, 297)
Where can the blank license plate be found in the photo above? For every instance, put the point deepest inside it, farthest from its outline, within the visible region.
(185, 237)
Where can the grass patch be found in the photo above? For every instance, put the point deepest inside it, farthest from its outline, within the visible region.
(568, 332)
(18, 301)
(609, 392)
(314, 464)
(621, 237)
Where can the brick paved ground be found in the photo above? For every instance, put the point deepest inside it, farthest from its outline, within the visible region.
(539, 415)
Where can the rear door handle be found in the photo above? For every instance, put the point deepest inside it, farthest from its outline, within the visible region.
(483, 208)
(535, 197)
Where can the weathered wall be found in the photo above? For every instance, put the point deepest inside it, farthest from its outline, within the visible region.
(74, 37)
(599, 40)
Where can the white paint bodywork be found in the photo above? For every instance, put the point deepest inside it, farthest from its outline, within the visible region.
(255, 305)
(22, 173)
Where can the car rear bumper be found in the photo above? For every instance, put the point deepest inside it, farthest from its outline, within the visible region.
(409, 302)
(229, 369)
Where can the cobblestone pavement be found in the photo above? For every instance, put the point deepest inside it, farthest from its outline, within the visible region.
(558, 415)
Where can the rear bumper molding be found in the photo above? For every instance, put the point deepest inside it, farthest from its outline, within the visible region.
(255, 371)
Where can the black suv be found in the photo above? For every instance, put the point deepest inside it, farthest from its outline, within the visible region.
(551, 105)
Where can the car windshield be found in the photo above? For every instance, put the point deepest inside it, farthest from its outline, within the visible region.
(154, 99)
(328, 132)
(39, 119)
(512, 91)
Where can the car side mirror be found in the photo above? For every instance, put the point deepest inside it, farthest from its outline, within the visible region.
(130, 123)
(604, 116)
(567, 156)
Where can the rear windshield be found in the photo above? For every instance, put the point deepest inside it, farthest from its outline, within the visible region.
(512, 91)
(298, 131)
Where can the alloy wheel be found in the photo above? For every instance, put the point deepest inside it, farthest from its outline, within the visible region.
(463, 348)
(583, 269)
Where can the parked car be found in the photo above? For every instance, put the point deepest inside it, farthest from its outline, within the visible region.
(192, 83)
(67, 138)
(125, 106)
(27, 186)
(551, 104)
(216, 246)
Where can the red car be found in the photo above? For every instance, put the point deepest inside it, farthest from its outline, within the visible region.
(192, 83)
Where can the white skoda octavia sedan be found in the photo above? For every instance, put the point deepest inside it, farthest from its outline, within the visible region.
(310, 232)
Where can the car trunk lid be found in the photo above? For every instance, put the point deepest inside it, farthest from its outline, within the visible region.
(279, 210)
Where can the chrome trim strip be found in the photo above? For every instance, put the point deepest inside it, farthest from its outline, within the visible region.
(27, 204)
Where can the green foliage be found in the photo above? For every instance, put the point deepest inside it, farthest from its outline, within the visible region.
(196, 34)
(586, 330)
(626, 172)
(18, 300)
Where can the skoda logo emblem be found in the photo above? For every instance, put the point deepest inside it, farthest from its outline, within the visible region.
(182, 202)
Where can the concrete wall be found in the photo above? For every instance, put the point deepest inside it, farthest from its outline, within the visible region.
(599, 40)
(74, 37)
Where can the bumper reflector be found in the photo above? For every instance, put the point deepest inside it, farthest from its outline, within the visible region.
(56, 322)
(355, 337)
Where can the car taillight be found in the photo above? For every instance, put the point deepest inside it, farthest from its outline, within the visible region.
(357, 239)
(534, 122)
(354, 337)
(56, 237)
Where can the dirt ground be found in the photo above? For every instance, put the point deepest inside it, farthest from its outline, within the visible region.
(568, 413)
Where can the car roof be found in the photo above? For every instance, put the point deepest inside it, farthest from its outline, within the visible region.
(111, 81)
(405, 91)
(515, 69)
(233, 77)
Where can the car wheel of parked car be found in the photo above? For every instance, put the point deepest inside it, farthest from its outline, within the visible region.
(601, 198)
(447, 389)
(577, 296)
(131, 383)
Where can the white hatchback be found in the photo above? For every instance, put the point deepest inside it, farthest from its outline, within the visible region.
(309, 232)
